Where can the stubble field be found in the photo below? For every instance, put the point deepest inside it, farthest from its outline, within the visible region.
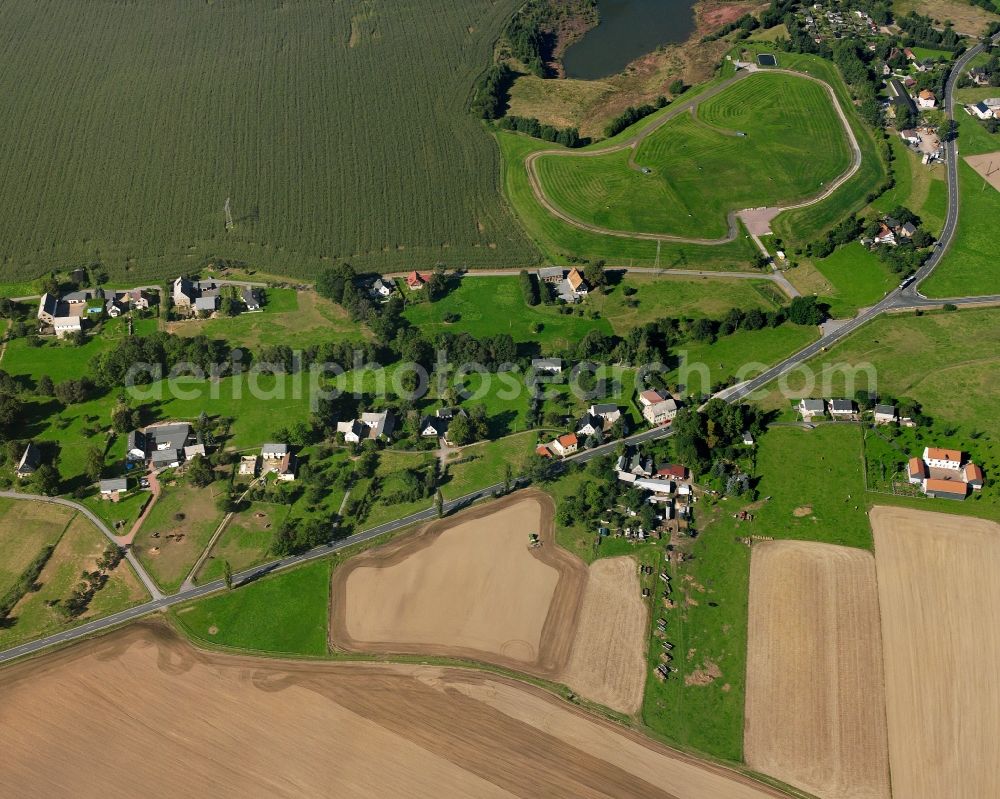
(815, 704)
(939, 599)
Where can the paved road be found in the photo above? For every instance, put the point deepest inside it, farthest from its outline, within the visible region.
(897, 300)
(139, 570)
(688, 106)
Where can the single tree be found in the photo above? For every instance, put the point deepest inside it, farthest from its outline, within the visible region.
(227, 574)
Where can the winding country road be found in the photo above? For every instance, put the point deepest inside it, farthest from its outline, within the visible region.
(898, 300)
(675, 110)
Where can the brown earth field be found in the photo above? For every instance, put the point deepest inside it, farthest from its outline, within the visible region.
(987, 166)
(140, 712)
(468, 587)
(607, 663)
(940, 599)
(815, 700)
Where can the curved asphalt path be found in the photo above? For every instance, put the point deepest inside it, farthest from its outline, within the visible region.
(674, 111)
(898, 300)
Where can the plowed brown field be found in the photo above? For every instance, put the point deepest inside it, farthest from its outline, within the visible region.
(815, 704)
(141, 713)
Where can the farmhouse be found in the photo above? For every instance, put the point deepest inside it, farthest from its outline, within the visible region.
(184, 292)
(674, 470)
(634, 463)
(436, 425)
(937, 458)
(64, 325)
(608, 413)
(113, 488)
(937, 488)
(565, 445)
(657, 407)
(926, 99)
(809, 408)
(916, 471)
(30, 461)
(885, 234)
(570, 286)
(842, 409)
(979, 76)
(910, 136)
(371, 426)
(48, 309)
(885, 414)
(162, 445)
(248, 465)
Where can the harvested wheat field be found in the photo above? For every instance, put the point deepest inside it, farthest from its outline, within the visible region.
(940, 599)
(607, 663)
(141, 713)
(815, 701)
(987, 166)
(468, 587)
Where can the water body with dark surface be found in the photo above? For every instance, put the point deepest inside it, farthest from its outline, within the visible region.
(628, 29)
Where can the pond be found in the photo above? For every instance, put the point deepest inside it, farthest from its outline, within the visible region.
(628, 29)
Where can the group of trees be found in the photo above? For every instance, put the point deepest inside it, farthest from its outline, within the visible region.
(714, 433)
(567, 137)
(490, 96)
(631, 115)
(920, 31)
(530, 36)
(529, 288)
(745, 25)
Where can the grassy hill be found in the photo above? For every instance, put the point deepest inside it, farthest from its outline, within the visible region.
(700, 168)
(339, 130)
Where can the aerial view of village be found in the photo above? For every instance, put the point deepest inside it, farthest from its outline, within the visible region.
(500, 398)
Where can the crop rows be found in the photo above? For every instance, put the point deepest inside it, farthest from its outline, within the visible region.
(338, 129)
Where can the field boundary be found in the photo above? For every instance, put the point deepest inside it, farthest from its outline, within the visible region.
(673, 112)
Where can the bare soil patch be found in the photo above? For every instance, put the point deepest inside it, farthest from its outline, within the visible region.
(802, 511)
(987, 166)
(940, 596)
(205, 724)
(815, 701)
(607, 662)
(468, 587)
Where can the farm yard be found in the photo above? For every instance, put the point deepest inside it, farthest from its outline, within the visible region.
(938, 594)
(428, 732)
(700, 167)
(127, 127)
(815, 700)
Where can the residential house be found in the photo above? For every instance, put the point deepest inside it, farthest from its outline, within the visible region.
(136, 446)
(184, 292)
(416, 280)
(565, 445)
(885, 414)
(368, 426)
(634, 463)
(809, 408)
(250, 298)
(885, 234)
(276, 458)
(113, 488)
(910, 55)
(842, 409)
(910, 136)
(926, 99)
(285, 468)
(657, 407)
(916, 471)
(748, 440)
(193, 449)
(207, 304)
(136, 298)
(674, 470)
(980, 110)
(552, 366)
(577, 284)
(589, 424)
(165, 444)
(907, 229)
(30, 461)
(272, 453)
(979, 76)
(945, 489)
(436, 425)
(115, 307)
(901, 101)
(973, 476)
(608, 411)
(939, 458)
(551, 274)
(382, 288)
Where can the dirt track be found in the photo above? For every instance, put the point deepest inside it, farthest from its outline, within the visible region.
(940, 599)
(815, 703)
(467, 587)
(141, 713)
(987, 166)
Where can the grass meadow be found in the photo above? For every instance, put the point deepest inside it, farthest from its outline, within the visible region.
(918, 187)
(335, 134)
(700, 168)
(858, 278)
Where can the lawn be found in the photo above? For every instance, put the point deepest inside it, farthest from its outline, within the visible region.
(816, 491)
(486, 463)
(334, 137)
(118, 516)
(26, 527)
(927, 358)
(37, 614)
(286, 613)
(169, 546)
(483, 304)
(919, 187)
(700, 170)
(745, 353)
(246, 540)
(859, 279)
(294, 318)
(62, 360)
(560, 241)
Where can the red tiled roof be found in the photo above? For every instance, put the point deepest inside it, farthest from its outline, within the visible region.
(672, 470)
(917, 468)
(945, 486)
(940, 454)
(417, 278)
(568, 440)
(973, 473)
(543, 450)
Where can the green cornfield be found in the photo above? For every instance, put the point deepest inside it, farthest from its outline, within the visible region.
(338, 129)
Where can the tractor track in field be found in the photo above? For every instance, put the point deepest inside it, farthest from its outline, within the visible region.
(690, 106)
